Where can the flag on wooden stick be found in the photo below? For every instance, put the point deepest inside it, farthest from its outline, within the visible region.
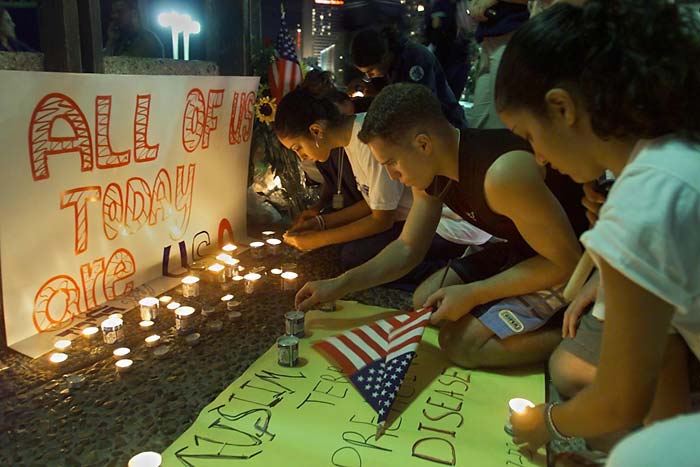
(376, 357)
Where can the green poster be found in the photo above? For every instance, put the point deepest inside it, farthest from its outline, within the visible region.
(311, 415)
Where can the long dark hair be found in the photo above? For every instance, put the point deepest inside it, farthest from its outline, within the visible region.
(312, 101)
(635, 65)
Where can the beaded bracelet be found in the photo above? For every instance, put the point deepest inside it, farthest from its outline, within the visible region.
(553, 432)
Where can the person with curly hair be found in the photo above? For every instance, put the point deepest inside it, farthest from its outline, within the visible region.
(605, 92)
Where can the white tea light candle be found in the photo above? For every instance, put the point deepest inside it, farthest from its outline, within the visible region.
(173, 306)
(184, 319)
(146, 459)
(165, 299)
(274, 245)
(124, 365)
(116, 315)
(256, 250)
(90, 332)
(58, 357)
(289, 281)
(190, 287)
(61, 344)
(276, 271)
(268, 233)
(149, 308)
(152, 340)
(250, 280)
(121, 352)
(218, 272)
(518, 405)
(229, 248)
(146, 325)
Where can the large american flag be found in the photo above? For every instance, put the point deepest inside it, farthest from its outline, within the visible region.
(376, 357)
(285, 72)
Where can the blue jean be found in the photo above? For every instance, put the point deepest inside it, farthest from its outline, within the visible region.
(362, 250)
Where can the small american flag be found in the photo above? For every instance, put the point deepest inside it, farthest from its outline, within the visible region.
(376, 357)
(285, 72)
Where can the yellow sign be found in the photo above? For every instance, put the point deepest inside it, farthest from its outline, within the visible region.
(311, 415)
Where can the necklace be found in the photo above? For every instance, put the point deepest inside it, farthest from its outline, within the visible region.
(338, 196)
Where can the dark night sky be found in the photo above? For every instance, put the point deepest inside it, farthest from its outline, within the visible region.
(271, 16)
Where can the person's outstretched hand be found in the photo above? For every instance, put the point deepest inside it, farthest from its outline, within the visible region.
(316, 292)
(451, 303)
(578, 306)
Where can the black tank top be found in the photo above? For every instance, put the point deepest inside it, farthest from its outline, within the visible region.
(478, 149)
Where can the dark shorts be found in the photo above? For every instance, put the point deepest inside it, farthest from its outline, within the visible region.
(513, 315)
(589, 336)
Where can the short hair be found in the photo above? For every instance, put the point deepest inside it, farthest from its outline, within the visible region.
(633, 64)
(370, 46)
(399, 109)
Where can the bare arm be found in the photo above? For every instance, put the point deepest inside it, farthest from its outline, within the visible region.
(394, 261)
(515, 188)
(634, 339)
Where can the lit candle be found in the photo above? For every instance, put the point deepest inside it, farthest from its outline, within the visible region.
(184, 319)
(256, 250)
(218, 272)
(58, 357)
(124, 365)
(232, 267)
(516, 405)
(289, 281)
(227, 298)
(229, 248)
(276, 271)
(274, 245)
(116, 315)
(165, 299)
(152, 340)
(268, 233)
(149, 308)
(61, 344)
(146, 325)
(197, 268)
(190, 287)
(121, 352)
(90, 332)
(112, 330)
(223, 257)
(250, 280)
(173, 306)
(237, 279)
(146, 459)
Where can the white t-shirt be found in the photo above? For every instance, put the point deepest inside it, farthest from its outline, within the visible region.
(648, 229)
(379, 191)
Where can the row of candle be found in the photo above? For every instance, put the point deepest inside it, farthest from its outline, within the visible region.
(190, 284)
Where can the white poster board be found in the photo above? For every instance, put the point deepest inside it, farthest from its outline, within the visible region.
(100, 174)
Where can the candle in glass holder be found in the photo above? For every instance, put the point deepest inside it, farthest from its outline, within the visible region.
(268, 233)
(229, 249)
(223, 257)
(121, 352)
(173, 306)
(274, 245)
(165, 299)
(227, 297)
(146, 325)
(149, 308)
(237, 279)
(58, 357)
(190, 287)
(276, 271)
(217, 272)
(197, 268)
(516, 405)
(152, 340)
(112, 330)
(184, 319)
(289, 281)
(61, 344)
(116, 315)
(124, 365)
(232, 267)
(90, 332)
(250, 280)
(257, 250)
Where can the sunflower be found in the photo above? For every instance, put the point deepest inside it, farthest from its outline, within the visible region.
(265, 109)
